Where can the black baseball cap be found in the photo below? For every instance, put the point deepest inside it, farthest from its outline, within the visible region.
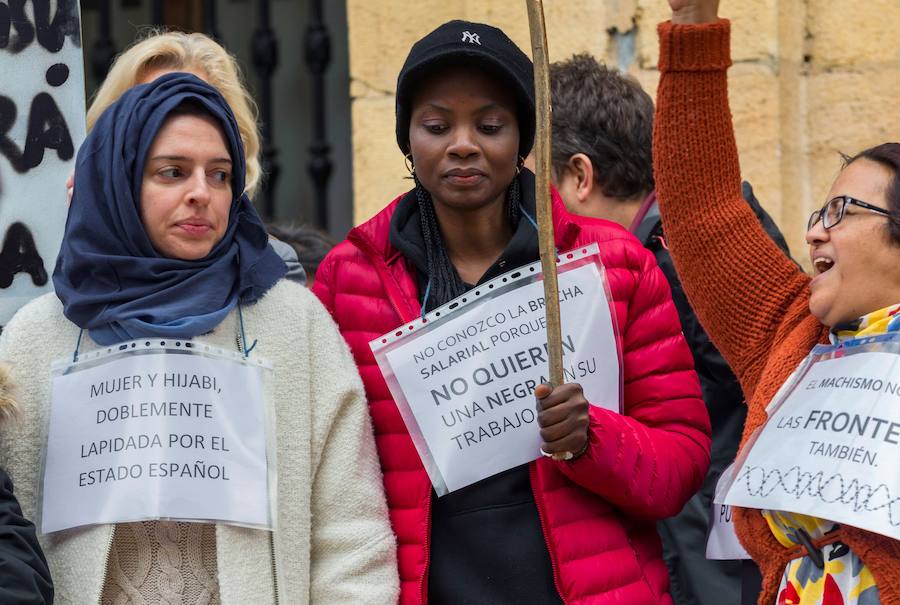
(473, 43)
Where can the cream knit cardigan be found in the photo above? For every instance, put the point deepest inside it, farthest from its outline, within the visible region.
(333, 543)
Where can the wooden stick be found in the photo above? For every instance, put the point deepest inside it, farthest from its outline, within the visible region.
(547, 241)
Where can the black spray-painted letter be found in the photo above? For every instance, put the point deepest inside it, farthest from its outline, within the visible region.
(20, 255)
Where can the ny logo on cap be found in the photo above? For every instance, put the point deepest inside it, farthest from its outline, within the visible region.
(471, 38)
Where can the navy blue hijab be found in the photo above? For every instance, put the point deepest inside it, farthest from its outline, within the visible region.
(108, 276)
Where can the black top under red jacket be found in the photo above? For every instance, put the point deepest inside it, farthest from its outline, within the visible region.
(597, 512)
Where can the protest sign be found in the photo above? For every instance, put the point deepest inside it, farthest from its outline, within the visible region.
(831, 445)
(463, 376)
(150, 430)
(722, 543)
(41, 125)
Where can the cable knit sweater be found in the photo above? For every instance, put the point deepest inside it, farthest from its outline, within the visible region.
(162, 562)
(333, 542)
(752, 300)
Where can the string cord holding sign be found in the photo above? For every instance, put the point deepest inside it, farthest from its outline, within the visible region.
(243, 336)
(428, 285)
(425, 298)
(240, 340)
(77, 345)
(530, 218)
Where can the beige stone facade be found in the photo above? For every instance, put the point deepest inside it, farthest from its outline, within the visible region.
(811, 78)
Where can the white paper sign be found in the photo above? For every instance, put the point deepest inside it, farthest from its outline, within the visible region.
(41, 126)
(156, 433)
(464, 377)
(831, 447)
(722, 544)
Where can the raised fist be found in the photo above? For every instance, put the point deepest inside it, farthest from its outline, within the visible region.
(694, 11)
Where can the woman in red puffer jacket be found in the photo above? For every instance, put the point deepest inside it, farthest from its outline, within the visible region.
(576, 531)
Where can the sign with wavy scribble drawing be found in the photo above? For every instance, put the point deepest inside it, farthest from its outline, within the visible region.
(831, 445)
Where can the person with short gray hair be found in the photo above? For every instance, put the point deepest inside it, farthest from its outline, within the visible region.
(603, 168)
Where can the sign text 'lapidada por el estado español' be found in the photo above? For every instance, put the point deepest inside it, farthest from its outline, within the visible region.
(463, 376)
(831, 445)
(155, 429)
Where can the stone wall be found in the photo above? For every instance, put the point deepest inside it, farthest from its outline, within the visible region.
(811, 78)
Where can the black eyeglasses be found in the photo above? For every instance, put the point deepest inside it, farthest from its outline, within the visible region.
(833, 211)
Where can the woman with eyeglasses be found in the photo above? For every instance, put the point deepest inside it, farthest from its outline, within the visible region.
(763, 313)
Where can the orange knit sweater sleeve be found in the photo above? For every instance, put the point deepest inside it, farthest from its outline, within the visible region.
(737, 280)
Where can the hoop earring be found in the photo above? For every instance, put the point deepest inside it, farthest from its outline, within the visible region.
(519, 164)
(410, 165)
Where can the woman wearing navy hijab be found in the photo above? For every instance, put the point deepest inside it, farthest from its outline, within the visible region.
(160, 243)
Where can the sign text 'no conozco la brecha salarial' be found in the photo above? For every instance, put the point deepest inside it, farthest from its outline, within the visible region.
(463, 376)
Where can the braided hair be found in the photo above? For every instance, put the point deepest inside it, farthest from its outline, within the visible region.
(444, 281)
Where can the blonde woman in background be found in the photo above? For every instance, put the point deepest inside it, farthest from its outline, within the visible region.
(163, 52)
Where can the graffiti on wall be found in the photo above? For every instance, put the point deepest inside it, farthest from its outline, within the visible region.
(41, 124)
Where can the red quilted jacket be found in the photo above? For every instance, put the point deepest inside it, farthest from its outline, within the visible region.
(597, 511)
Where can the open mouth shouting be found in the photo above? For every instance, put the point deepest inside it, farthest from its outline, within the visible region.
(821, 264)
